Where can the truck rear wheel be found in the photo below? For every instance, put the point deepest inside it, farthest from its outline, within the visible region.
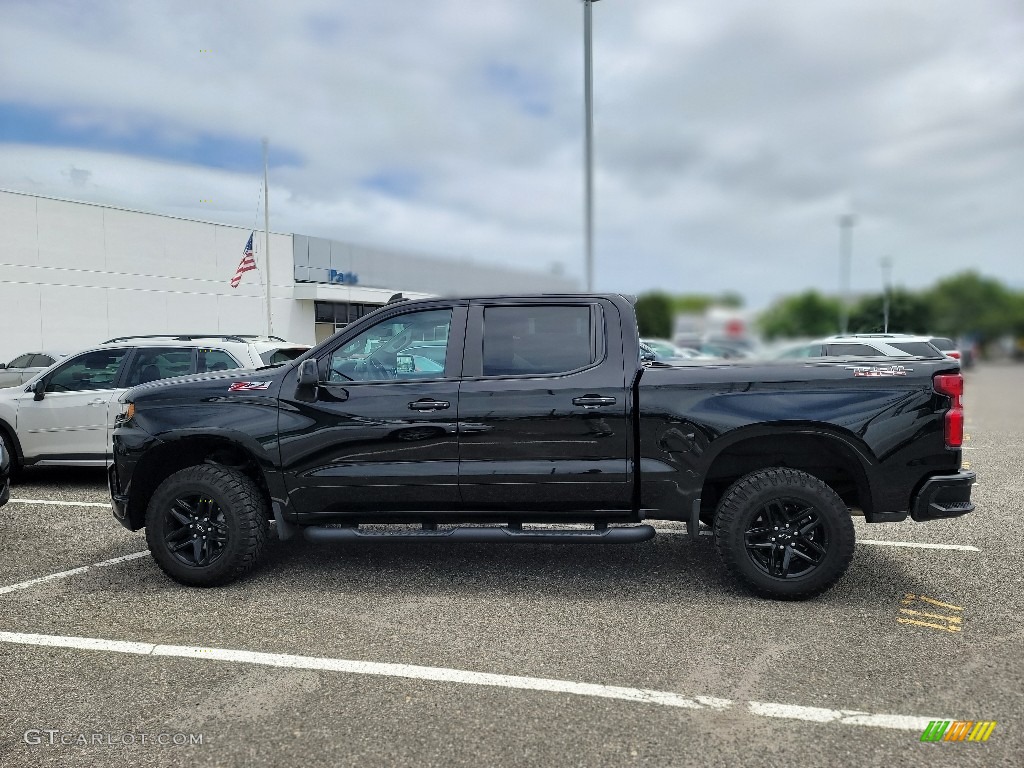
(206, 525)
(784, 533)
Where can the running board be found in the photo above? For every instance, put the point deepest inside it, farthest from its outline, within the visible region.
(484, 535)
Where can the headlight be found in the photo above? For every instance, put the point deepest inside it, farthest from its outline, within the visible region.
(126, 414)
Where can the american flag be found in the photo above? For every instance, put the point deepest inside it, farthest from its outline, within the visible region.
(247, 263)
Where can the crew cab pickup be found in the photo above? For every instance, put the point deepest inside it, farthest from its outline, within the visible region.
(535, 419)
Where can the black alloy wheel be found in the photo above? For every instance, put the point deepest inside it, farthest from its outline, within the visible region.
(787, 538)
(784, 533)
(207, 525)
(195, 530)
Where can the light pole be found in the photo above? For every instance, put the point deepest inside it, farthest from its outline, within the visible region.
(846, 222)
(588, 152)
(886, 280)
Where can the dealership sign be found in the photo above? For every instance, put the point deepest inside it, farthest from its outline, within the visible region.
(343, 278)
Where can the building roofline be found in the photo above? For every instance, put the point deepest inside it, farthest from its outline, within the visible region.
(135, 210)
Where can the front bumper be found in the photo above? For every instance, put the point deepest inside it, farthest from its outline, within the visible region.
(944, 496)
(118, 500)
(129, 445)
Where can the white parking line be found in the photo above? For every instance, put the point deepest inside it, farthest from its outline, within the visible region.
(917, 545)
(466, 677)
(60, 503)
(874, 542)
(72, 572)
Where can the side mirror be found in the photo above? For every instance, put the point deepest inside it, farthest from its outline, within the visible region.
(3, 365)
(309, 374)
(40, 389)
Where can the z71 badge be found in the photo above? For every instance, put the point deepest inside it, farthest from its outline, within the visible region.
(882, 370)
(248, 386)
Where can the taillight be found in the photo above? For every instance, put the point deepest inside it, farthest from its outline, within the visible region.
(955, 354)
(952, 385)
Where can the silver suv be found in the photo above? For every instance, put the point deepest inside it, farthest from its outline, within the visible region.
(24, 367)
(65, 414)
(864, 345)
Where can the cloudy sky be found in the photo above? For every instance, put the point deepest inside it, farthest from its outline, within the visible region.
(730, 134)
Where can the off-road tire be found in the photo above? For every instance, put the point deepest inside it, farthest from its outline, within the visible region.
(239, 510)
(771, 523)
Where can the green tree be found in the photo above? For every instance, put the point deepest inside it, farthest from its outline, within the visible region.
(807, 314)
(909, 312)
(699, 303)
(654, 315)
(969, 303)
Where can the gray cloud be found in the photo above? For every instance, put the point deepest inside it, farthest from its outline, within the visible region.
(730, 134)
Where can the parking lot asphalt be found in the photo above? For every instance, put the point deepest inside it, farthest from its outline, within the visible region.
(590, 655)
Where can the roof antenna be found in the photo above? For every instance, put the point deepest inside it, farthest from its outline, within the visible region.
(397, 298)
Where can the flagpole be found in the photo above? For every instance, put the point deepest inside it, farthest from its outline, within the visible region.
(266, 234)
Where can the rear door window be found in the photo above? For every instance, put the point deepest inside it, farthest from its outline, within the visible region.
(155, 363)
(41, 361)
(531, 341)
(213, 360)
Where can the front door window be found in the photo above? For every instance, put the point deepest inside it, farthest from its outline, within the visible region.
(401, 348)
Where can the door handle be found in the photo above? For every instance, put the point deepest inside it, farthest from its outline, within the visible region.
(429, 405)
(593, 401)
(97, 401)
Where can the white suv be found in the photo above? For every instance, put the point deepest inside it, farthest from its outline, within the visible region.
(65, 414)
(865, 345)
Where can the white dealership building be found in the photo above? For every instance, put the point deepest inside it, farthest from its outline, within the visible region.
(74, 274)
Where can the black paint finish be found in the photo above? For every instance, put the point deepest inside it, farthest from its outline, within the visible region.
(606, 441)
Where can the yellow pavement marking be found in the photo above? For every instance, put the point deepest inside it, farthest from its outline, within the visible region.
(949, 623)
(909, 598)
(950, 628)
(954, 619)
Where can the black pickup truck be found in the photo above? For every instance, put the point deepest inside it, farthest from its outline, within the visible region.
(535, 419)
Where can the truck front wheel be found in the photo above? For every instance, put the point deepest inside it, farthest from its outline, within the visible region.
(206, 525)
(784, 533)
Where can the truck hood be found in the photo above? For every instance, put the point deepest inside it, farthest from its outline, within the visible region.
(258, 381)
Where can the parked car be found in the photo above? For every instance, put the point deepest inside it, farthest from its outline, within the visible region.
(65, 414)
(862, 345)
(950, 348)
(544, 412)
(24, 367)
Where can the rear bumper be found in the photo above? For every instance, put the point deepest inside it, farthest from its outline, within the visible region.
(944, 496)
